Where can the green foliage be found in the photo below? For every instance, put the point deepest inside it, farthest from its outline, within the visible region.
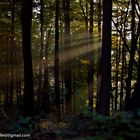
(89, 125)
(24, 125)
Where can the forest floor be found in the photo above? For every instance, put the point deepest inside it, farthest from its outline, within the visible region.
(86, 126)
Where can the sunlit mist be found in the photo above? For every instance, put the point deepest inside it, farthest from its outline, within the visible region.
(75, 51)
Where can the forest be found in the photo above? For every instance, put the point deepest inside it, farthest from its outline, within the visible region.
(70, 69)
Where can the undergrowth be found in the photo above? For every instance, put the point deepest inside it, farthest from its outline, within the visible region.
(86, 126)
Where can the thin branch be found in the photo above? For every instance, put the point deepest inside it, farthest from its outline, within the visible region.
(81, 5)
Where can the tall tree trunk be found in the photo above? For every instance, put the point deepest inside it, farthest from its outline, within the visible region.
(122, 79)
(132, 55)
(99, 55)
(123, 69)
(12, 49)
(18, 80)
(104, 98)
(40, 86)
(7, 77)
(56, 63)
(117, 67)
(45, 92)
(62, 67)
(27, 56)
(135, 104)
(118, 49)
(91, 60)
(67, 45)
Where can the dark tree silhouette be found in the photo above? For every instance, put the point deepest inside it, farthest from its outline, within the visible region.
(67, 44)
(26, 18)
(56, 63)
(12, 50)
(41, 51)
(104, 97)
(99, 54)
(91, 60)
(132, 56)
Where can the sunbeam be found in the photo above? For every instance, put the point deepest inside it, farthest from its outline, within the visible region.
(78, 49)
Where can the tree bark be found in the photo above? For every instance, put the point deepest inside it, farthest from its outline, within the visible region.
(91, 60)
(45, 93)
(27, 56)
(104, 98)
(40, 86)
(56, 63)
(132, 55)
(12, 49)
(99, 55)
(67, 45)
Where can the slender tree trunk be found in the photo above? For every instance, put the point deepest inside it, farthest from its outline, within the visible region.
(91, 60)
(104, 98)
(99, 55)
(56, 63)
(123, 69)
(122, 79)
(118, 51)
(45, 93)
(135, 104)
(12, 49)
(132, 55)
(99, 19)
(7, 77)
(62, 67)
(40, 86)
(18, 80)
(7, 80)
(116, 79)
(67, 45)
(27, 57)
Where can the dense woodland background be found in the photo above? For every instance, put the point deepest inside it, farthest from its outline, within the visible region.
(61, 57)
